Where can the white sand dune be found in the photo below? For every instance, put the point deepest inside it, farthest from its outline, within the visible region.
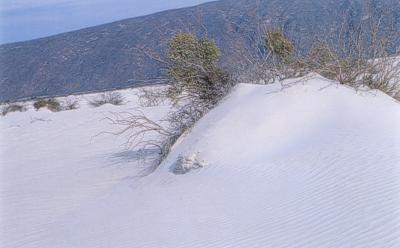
(312, 165)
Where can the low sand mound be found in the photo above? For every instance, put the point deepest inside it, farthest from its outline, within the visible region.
(313, 165)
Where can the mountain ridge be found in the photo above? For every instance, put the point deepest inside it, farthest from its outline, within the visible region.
(111, 55)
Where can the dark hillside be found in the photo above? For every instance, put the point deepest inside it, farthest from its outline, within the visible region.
(111, 55)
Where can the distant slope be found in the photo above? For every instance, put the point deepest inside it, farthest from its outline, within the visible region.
(314, 165)
(111, 55)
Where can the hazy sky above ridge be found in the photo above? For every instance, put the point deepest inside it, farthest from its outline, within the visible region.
(29, 19)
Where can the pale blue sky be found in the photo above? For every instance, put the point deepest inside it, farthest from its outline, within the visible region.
(28, 19)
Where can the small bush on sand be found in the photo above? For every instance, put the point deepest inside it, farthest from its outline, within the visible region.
(12, 108)
(70, 104)
(113, 98)
(151, 96)
(51, 104)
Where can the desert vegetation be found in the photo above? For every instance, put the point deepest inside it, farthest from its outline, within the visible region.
(357, 54)
(113, 98)
(51, 104)
(361, 54)
(69, 104)
(196, 84)
(151, 96)
(13, 107)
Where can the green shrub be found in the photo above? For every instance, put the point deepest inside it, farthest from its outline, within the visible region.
(282, 61)
(279, 44)
(194, 72)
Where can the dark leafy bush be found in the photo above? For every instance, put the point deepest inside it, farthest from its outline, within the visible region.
(279, 44)
(197, 84)
(194, 72)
